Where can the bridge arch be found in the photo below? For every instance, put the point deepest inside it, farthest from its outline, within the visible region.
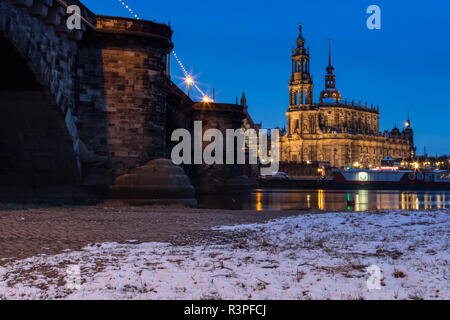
(36, 148)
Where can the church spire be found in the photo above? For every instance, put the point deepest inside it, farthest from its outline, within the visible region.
(330, 68)
(244, 100)
(329, 51)
(330, 95)
(300, 40)
(408, 134)
(408, 121)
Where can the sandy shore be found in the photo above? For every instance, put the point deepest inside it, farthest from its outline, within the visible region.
(27, 232)
(146, 253)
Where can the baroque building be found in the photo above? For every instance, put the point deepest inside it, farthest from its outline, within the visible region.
(333, 130)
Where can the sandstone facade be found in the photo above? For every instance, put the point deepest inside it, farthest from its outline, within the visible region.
(334, 130)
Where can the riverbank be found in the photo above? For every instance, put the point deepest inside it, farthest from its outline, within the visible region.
(148, 253)
(27, 231)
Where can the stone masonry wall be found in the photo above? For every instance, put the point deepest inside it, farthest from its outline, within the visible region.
(32, 30)
(121, 95)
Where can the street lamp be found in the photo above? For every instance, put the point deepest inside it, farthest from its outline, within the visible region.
(207, 99)
(189, 81)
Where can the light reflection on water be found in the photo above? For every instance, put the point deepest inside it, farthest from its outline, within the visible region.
(351, 200)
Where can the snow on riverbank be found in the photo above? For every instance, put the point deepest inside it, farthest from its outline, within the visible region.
(305, 257)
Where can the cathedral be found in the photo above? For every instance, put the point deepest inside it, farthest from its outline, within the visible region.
(335, 131)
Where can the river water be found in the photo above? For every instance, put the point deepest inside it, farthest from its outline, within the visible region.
(350, 200)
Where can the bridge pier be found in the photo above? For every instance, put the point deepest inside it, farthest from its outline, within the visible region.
(121, 92)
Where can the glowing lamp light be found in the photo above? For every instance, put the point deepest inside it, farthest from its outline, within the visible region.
(416, 165)
(207, 99)
(189, 80)
(127, 7)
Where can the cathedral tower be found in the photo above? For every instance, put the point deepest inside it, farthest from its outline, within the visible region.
(333, 132)
(301, 82)
(330, 94)
(409, 136)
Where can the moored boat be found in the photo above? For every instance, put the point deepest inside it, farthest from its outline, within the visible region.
(389, 178)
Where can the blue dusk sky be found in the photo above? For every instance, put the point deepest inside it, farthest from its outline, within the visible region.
(246, 45)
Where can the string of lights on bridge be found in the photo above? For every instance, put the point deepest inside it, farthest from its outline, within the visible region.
(129, 9)
(188, 79)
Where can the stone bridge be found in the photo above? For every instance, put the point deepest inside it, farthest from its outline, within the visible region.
(80, 108)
